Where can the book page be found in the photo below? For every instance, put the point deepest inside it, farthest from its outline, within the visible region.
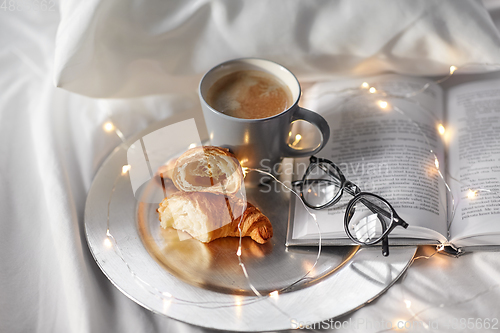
(474, 159)
(386, 151)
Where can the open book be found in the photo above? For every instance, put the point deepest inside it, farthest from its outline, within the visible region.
(409, 153)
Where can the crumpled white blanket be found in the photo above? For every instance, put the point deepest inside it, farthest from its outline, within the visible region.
(123, 48)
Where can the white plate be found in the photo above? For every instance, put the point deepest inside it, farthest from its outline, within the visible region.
(204, 285)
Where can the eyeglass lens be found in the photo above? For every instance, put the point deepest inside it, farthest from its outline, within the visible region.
(321, 185)
(368, 218)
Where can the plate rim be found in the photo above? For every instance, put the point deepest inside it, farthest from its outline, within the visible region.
(409, 251)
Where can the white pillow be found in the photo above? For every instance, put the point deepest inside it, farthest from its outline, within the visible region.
(124, 48)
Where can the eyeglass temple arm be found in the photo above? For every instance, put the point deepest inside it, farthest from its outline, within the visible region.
(385, 246)
(399, 221)
(385, 239)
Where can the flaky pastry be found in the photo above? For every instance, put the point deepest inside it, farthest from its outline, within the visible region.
(208, 169)
(208, 216)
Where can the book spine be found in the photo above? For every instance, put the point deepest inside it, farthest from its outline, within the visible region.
(453, 251)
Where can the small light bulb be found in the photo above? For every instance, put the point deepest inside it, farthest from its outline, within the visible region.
(125, 169)
(452, 69)
(436, 163)
(166, 304)
(238, 253)
(383, 104)
(471, 194)
(441, 129)
(274, 294)
(298, 137)
(372, 90)
(365, 85)
(108, 126)
(399, 323)
(107, 242)
(245, 171)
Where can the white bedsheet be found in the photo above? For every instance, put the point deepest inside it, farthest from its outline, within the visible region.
(51, 145)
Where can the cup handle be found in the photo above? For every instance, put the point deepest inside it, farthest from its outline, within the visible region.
(316, 120)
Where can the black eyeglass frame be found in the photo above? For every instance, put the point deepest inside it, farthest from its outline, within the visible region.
(358, 195)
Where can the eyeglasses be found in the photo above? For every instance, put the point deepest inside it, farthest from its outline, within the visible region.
(368, 218)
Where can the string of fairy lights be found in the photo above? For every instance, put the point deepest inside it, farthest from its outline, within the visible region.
(166, 297)
(382, 101)
(472, 193)
(383, 104)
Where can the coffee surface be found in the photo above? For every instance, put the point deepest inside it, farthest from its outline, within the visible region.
(249, 94)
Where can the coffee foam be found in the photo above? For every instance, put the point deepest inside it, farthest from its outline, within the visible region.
(249, 94)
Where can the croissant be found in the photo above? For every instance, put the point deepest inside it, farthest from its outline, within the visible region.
(208, 169)
(208, 216)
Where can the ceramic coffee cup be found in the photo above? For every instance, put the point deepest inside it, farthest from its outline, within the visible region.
(254, 141)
